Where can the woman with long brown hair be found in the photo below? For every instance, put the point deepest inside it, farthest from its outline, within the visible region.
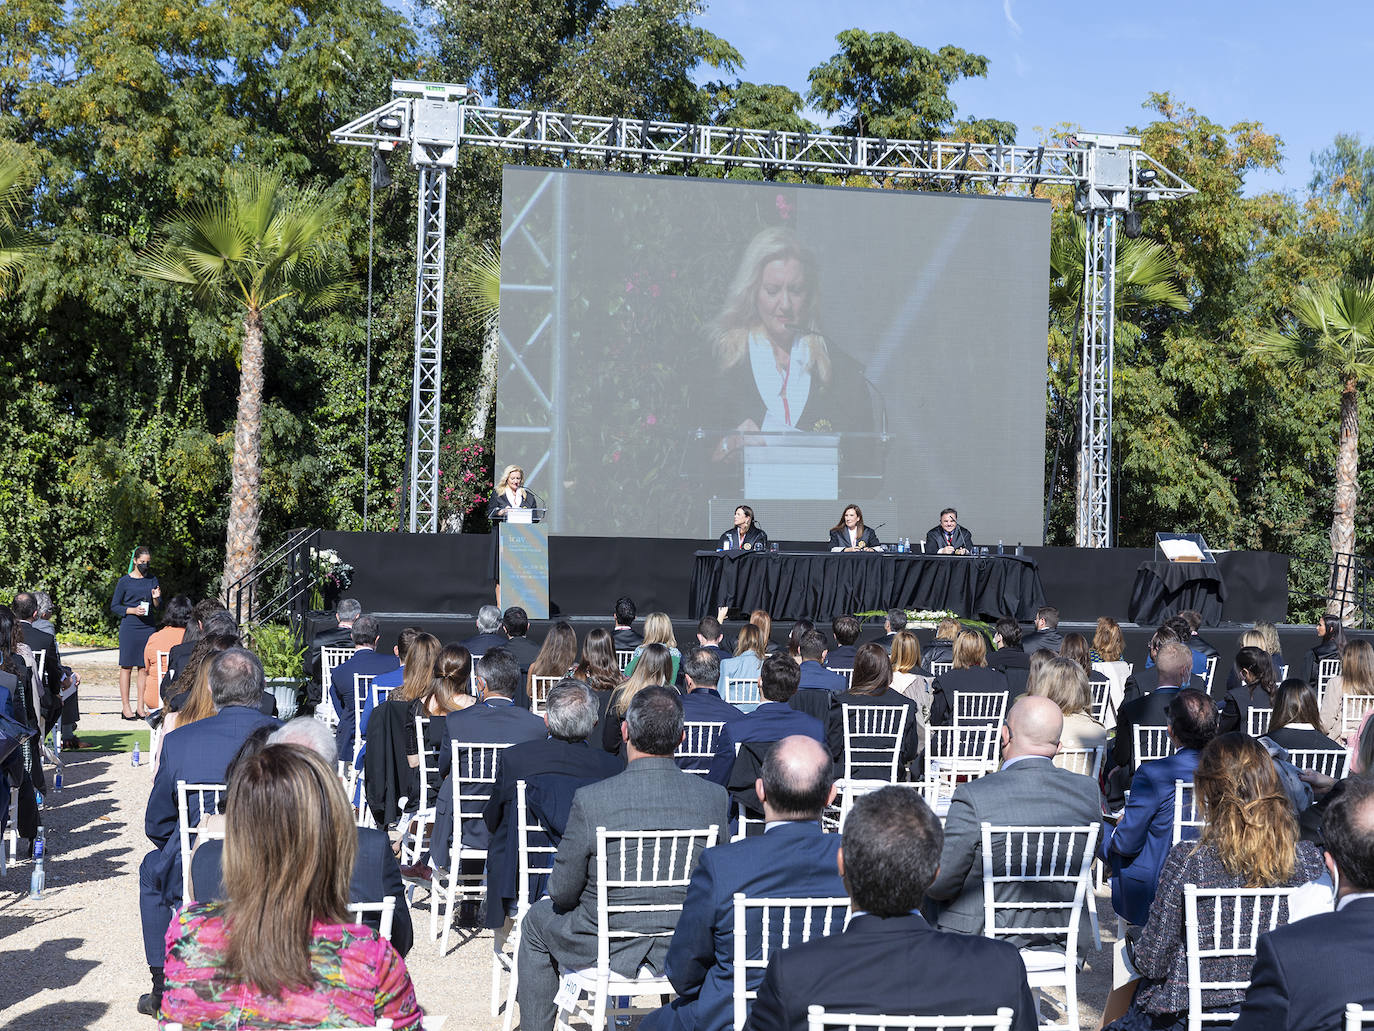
(748, 658)
(1355, 678)
(871, 684)
(1296, 720)
(598, 668)
(655, 667)
(1075, 647)
(281, 950)
(761, 619)
(850, 533)
(197, 703)
(1249, 840)
(557, 656)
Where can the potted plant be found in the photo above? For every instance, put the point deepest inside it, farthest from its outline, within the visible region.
(282, 656)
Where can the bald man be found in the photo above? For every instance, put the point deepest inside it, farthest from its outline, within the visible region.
(792, 858)
(1028, 791)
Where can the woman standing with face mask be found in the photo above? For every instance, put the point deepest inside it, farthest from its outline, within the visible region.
(136, 596)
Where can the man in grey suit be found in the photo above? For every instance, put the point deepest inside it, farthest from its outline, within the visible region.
(652, 794)
(1028, 791)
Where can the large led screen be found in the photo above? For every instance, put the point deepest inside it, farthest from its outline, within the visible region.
(673, 347)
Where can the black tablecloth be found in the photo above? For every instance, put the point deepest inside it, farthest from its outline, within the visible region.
(800, 585)
(1164, 589)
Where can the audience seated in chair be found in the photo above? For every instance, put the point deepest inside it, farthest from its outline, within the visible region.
(811, 656)
(771, 721)
(365, 660)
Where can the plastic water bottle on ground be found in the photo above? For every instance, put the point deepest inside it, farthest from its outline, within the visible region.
(57, 781)
(38, 880)
(133, 759)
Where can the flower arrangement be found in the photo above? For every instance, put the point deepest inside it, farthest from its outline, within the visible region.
(330, 576)
(465, 481)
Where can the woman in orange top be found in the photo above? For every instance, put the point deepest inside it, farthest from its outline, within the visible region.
(171, 632)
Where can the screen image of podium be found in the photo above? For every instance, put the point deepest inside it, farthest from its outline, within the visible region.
(673, 346)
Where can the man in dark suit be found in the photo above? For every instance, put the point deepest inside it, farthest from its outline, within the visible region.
(889, 960)
(846, 631)
(1009, 656)
(1046, 636)
(814, 674)
(893, 624)
(1174, 663)
(949, 538)
(198, 754)
(376, 874)
(1306, 972)
(710, 635)
(515, 624)
(366, 632)
(1143, 836)
(771, 721)
(340, 635)
(1145, 680)
(489, 633)
(552, 768)
(623, 633)
(25, 609)
(792, 858)
(702, 703)
(1028, 791)
(652, 794)
(497, 720)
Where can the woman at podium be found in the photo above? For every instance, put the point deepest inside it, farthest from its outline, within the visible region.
(510, 493)
(850, 533)
(744, 535)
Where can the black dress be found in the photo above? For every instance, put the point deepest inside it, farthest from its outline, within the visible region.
(134, 631)
(495, 503)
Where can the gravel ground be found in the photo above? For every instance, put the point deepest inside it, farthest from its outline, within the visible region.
(74, 959)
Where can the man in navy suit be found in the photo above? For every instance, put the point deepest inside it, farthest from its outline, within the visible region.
(496, 720)
(515, 624)
(552, 768)
(1173, 662)
(489, 633)
(1144, 834)
(771, 721)
(949, 538)
(1306, 972)
(710, 635)
(702, 703)
(889, 960)
(365, 660)
(812, 654)
(846, 630)
(791, 859)
(1046, 636)
(197, 753)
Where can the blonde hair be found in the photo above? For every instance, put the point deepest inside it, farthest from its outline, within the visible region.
(654, 669)
(906, 651)
(1253, 639)
(970, 649)
(199, 703)
(1270, 634)
(948, 629)
(739, 316)
(1108, 640)
(1063, 682)
(1357, 668)
(505, 477)
(750, 640)
(1249, 819)
(658, 629)
(286, 812)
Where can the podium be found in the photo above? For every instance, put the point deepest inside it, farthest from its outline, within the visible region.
(792, 466)
(524, 563)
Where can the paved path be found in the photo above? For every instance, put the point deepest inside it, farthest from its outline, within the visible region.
(74, 959)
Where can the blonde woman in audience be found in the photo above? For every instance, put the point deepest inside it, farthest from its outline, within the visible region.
(942, 648)
(281, 950)
(1355, 678)
(658, 629)
(761, 619)
(655, 667)
(1075, 647)
(970, 673)
(1270, 633)
(748, 658)
(908, 678)
(1063, 682)
(1108, 647)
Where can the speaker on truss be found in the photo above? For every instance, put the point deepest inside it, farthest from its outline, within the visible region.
(1130, 224)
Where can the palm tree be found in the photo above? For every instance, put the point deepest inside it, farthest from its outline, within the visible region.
(16, 244)
(1331, 329)
(256, 245)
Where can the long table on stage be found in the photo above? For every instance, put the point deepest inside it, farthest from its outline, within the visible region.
(796, 585)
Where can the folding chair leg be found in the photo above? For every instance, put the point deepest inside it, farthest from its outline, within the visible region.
(1090, 901)
(449, 894)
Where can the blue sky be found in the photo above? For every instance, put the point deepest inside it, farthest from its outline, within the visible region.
(1301, 69)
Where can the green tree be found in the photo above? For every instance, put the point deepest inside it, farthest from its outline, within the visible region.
(1330, 330)
(749, 105)
(885, 85)
(16, 243)
(253, 248)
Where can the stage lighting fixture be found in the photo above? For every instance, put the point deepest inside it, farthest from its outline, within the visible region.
(391, 123)
(1146, 176)
(1130, 224)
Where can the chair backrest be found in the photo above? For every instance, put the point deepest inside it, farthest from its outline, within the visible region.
(1102, 695)
(967, 751)
(1034, 882)
(873, 740)
(428, 757)
(1187, 820)
(162, 663)
(362, 684)
(857, 789)
(743, 691)
(979, 708)
(845, 671)
(641, 880)
(1258, 720)
(474, 765)
(818, 1018)
(386, 908)
(764, 926)
(1357, 1018)
(1152, 742)
(1211, 671)
(1220, 923)
(623, 657)
(1326, 669)
(539, 693)
(1334, 762)
(193, 802)
(1354, 708)
(40, 664)
(939, 668)
(1087, 761)
(537, 852)
(698, 744)
(331, 656)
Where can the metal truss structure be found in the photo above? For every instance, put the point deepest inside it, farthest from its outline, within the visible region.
(1110, 176)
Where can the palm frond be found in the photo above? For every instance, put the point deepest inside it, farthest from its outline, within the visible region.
(479, 284)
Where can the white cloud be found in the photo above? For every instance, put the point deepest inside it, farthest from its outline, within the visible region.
(1011, 21)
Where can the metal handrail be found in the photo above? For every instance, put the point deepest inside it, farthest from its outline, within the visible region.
(292, 560)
